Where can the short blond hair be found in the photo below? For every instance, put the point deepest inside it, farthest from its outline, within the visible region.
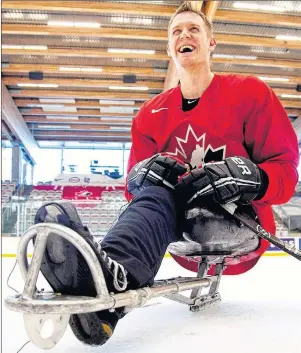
(188, 6)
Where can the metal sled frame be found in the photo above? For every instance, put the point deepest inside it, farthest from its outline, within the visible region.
(40, 307)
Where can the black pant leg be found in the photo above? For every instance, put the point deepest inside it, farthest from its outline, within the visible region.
(141, 235)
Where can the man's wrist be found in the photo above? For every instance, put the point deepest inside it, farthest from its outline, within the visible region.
(264, 184)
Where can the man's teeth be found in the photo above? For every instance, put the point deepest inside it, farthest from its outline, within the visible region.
(186, 48)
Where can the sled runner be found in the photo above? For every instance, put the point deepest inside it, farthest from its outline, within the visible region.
(205, 242)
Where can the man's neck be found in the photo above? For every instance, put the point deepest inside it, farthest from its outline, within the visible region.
(194, 81)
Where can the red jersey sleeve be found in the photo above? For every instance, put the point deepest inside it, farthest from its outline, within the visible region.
(143, 146)
(272, 144)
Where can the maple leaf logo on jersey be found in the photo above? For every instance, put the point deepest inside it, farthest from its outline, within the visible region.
(201, 153)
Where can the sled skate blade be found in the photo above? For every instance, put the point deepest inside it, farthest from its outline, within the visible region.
(54, 309)
(205, 302)
(45, 331)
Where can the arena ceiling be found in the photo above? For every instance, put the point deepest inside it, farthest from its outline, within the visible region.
(70, 66)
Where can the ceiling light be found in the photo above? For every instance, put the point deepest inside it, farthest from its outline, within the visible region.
(38, 16)
(280, 79)
(61, 68)
(73, 24)
(107, 118)
(131, 51)
(35, 47)
(56, 127)
(45, 106)
(103, 101)
(48, 85)
(59, 117)
(42, 105)
(132, 88)
(128, 110)
(43, 85)
(87, 24)
(51, 108)
(120, 128)
(116, 19)
(250, 6)
(143, 21)
(78, 69)
(60, 23)
(27, 85)
(272, 8)
(56, 100)
(11, 46)
(91, 69)
(287, 37)
(26, 47)
(229, 56)
(13, 15)
(284, 95)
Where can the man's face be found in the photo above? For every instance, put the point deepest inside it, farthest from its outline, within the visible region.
(188, 40)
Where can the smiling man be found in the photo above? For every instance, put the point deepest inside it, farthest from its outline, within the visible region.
(235, 138)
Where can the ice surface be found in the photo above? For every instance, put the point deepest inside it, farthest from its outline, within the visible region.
(260, 312)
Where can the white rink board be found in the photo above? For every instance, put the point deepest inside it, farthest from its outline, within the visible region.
(260, 312)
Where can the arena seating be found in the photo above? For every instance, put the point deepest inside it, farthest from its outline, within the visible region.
(45, 195)
(7, 190)
(290, 215)
(97, 207)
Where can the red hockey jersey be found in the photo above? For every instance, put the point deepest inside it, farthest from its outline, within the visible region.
(235, 116)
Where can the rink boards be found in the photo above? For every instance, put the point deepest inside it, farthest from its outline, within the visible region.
(9, 247)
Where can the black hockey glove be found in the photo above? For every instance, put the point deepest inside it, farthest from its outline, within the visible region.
(158, 170)
(233, 179)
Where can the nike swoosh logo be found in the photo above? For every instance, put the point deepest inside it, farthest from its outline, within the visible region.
(157, 110)
(189, 102)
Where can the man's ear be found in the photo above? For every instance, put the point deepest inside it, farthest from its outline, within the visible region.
(212, 44)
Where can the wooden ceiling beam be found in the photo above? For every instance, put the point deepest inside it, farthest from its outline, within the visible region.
(14, 120)
(27, 103)
(79, 94)
(80, 133)
(106, 70)
(80, 83)
(247, 17)
(256, 41)
(296, 112)
(268, 62)
(106, 95)
(90, 7)
(81, 120)
(80, 112)
(26, 68)
(120, 139)
(291, 103)
(102, 32)
(281, 91)
(149, 10)
(210, 8)
(80, 127)
(31, 103)
(139, 34)
(292, 79)
(84, 53)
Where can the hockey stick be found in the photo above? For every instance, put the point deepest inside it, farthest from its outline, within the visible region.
(262, 233)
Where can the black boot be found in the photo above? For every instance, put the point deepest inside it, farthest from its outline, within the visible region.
(67, 272)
